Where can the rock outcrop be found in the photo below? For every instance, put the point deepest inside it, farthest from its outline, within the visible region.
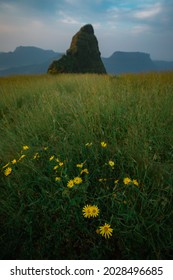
(83, 56)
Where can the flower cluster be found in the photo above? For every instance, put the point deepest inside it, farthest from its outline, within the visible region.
(92, 211)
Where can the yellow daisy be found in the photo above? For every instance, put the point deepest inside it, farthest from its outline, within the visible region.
(94, 211)
(111, 163)
(106, 230)
(85, 171)
(5, 165)
(135, 182)
(13, 161)
(104, 144)
(127, 181)
(87, 211)
(7, 171)
(55, 167)
(51, 158)
(77, 180)
(22, 156)
(25, 148)
(80, 165)
(70, 184)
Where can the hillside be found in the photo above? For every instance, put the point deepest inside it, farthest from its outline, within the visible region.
(84, 153)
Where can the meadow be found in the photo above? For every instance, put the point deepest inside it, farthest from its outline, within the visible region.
(86, 166)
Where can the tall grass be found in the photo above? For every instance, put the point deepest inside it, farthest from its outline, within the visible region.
(40, 216)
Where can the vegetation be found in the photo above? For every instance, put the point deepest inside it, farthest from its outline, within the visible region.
(86, 166)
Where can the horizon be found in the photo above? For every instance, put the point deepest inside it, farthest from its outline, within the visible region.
(117, 51)
(127, 26)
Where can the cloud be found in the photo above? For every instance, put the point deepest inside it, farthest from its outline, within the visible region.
(118, 24)
(149, 12)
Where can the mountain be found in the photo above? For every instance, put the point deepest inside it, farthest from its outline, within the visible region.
(26, 60)
(32, 60)
(124, 62)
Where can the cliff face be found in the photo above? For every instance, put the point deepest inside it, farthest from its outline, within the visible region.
(83, 56)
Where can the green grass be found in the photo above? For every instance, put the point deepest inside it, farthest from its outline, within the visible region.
(41, 218)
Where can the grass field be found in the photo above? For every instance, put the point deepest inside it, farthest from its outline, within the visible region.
(86, 167)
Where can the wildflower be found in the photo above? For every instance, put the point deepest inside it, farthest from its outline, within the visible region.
(80, 165)
(5, 165)
(7, 171)
(22, 156)
(13, 161)
(127, 181)
(88, 144)
(116, 181)
(45, 148)
(51, 158)
(55, 167)
(106, 230)
(94, 211)
(57, 160)
(25, 148)
(84, 171)
(61, 164)
(111, 163)
(135, 182)
(90, 211)
(70, 184)
(103, 144)
(57, 179)
(36, 156)
(87, 211)
(77, 180)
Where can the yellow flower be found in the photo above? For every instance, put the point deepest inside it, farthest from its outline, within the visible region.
(51, 158)
(77, 180)
(45, 148)
(80, 165)
(70, 184)
(61, 164)
(90, 211)
(5, 165)
(94, 211)
(25, 148)
(13, 161)
(7, 171)
(111, 163)
(84, 171)
(103, 144)
(135, 182)
(127, 181)
(55, 167)
(116, 181)
(22, 156)
(106, 230)
(57, 179)
(36, 156)
(87, 211)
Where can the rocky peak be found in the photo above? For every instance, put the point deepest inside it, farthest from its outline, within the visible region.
(83, 56)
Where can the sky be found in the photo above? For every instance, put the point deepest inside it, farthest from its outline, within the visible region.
(119, 25)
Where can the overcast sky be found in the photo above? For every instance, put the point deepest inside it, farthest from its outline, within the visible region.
(120, 25)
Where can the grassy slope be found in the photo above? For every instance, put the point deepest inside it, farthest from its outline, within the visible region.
(133, 114)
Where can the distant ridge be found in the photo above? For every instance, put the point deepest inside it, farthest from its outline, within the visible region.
(33, 60)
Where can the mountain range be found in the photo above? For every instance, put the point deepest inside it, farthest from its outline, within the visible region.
(33, 60)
